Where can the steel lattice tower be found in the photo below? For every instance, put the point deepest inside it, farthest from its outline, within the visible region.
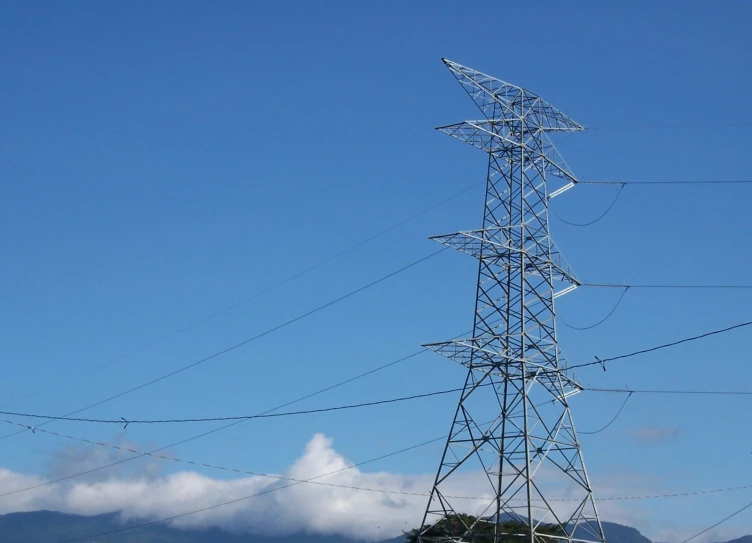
(513, 422)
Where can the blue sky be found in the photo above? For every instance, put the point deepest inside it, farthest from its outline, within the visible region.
(160, 162)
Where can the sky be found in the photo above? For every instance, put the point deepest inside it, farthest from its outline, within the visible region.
(160, 163)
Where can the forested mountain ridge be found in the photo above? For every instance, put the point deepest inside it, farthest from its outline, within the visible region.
(55, 527)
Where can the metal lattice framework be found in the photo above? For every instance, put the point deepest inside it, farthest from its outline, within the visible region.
(513, 422)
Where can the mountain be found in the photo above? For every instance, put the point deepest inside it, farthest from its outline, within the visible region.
(618, 533)
(54, 527)
(743, 539)
(615, 533)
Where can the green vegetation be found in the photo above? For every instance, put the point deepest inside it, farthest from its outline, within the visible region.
(456, 526)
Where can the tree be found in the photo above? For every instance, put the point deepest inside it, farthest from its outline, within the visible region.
(510, 531)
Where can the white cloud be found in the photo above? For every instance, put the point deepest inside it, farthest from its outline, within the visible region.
(302, 507)
(651, 434)
(144, 495)
(73, 459)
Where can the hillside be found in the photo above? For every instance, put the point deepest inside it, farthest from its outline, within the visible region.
(54, 527)
(744, 539)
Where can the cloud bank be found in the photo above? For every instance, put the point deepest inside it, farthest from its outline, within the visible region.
(143, 495)
(654, 434)
(297, 508)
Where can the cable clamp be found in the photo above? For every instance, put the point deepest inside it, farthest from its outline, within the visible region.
(601, 362)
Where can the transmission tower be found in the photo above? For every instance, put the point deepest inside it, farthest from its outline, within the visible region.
(513, 423)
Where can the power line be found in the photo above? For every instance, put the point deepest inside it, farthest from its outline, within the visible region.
(675, 494)
(613, 420)
(701, 392)
(247, 299)
(203, 434)
(127, 422)
(141, 454)
(206, 433)
(667, 286)
(330, 388)
(220, 428)
(732, 515)
(314, 480)
(268, 491)
(321, 263)
(251, 339)
(590, 223)
(602, 362)
(336, 256)
(209, 432)
(152, 453)
(623, 184)
(222, 468)
(353, 487)
(671, 126)
(672, 182)
(604, 319)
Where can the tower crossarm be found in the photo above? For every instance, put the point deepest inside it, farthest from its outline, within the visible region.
(487, 244)
(501, 136)
(501, 100)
